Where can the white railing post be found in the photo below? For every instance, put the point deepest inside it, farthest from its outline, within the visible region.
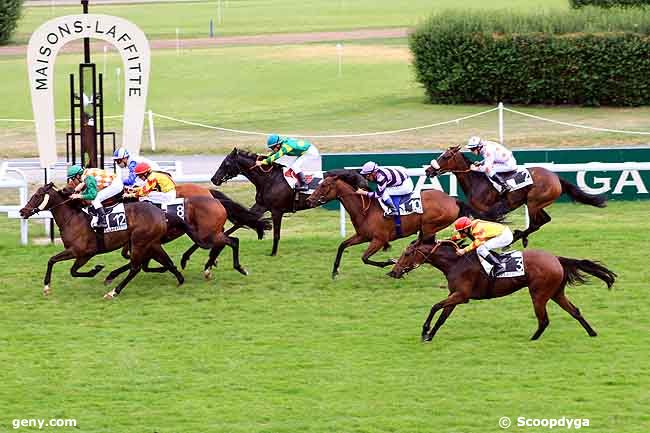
(152, 133)
(342, 219)
(24, 223)
(500, 106)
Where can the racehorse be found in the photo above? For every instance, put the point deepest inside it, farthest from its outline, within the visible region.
(546, 277)
(206, 217)
(440, 210)
(147, 227)
(546, 188)
(273, 193)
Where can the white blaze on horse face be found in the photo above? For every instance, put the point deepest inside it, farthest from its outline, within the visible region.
(45, 200)
(434, 164)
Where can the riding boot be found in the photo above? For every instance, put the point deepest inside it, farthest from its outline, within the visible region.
(504, 186)
(391, 206)
(302, 182)
(101, 218)
(495, 262)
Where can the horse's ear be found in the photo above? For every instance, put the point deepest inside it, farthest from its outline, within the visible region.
(234, 151)
(455, 148)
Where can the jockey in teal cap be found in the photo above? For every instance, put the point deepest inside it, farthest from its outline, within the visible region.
(304, 150)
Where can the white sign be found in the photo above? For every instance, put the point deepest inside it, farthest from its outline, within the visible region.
(44, 45)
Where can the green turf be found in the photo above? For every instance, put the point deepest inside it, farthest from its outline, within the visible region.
(288, 350)
(297, 89)
(277, 16)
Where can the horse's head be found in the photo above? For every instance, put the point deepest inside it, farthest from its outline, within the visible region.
(451, 160)
(228, 169)
(325, 192)
(419, 251)
(351, 177)
(40, 200)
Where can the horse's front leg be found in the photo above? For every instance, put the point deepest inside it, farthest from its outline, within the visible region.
(448, 306)
(74, 270)
(63, 255)
(375, 245)
(277, 226)
(352, 240)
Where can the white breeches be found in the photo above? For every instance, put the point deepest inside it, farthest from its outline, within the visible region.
(160, 197)
(502, 167)
(111, 190)
(503, 240)
(311, 158)
(405, 188)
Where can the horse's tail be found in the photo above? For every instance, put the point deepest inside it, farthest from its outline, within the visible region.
(493, 214)
(240, 216)
(580, 196)
(176, 222)
(574, 271)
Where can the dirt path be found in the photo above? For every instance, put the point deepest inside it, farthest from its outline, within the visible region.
(267, 39)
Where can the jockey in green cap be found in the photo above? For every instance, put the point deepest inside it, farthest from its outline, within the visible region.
(95, 185)
(304, 150)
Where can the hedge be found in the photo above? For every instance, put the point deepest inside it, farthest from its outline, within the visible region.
(533, 59)
(609, 3)
(9, 15)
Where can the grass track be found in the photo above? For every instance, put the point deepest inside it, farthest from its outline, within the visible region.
(288, 350)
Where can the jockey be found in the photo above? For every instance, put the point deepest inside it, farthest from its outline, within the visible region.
(158, 186)
(390, 181)
(485, 236)
(304, 150)
(496, 159)
(95, 185)
(123, 159)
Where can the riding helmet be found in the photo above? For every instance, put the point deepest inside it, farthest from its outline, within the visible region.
(462, 223)
(74, 170)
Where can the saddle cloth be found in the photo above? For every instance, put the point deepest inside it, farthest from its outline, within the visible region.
(313, 180)
(115, 218)
(513, 262)
(515, 180)
(407, 204)
(176, 206)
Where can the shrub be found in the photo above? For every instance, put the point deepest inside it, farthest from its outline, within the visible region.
(9, 15)
(585, 57)
(609, 3)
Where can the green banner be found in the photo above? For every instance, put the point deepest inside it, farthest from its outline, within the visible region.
(616, 185)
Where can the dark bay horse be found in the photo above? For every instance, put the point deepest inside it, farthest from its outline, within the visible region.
(546, 278)
(546, 188)
(148, 226)
(272, 191)
(440, 210)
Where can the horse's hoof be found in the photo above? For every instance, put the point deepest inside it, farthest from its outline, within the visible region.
(427, 338)
(242, 270)
(47, 290)
(207, 274)
(110, 295)
(180, 282)
(524, 242)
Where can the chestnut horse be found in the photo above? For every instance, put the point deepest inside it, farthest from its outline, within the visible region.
(440, 210)
(546, 278)
(147, 227)
(546, 188)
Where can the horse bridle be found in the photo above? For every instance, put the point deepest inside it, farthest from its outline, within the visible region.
(443, 171)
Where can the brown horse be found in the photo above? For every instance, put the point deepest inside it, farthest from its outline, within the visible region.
(440, 210)
(147, 228)
(546, 278)
(546, 188)
(225, 208)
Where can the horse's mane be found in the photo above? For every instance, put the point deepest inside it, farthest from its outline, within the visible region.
(351, 177)
(253, 155)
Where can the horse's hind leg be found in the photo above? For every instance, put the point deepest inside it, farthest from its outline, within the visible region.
(115, 273)
(234, 244)
(567, 306)
(212, 261)
(538, 217)
(539, 304)
(161, 256)
(74, 270)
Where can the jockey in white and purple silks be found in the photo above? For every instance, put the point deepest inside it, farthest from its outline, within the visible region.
(391, 181)
(496, 159)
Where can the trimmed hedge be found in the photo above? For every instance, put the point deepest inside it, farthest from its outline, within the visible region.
(479, 58)
(609, 3)
(9, 15)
